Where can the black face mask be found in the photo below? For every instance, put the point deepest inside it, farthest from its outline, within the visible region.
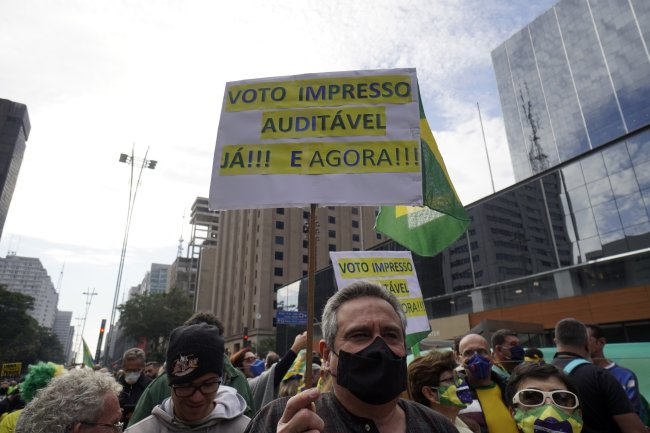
(375, 375)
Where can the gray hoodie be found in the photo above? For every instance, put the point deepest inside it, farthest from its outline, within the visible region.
(227, 416)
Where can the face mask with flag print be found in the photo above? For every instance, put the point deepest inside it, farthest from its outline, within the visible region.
(462, 388)
(449, 396)
(547, 419)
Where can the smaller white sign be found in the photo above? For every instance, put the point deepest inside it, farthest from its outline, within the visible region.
(394, 270)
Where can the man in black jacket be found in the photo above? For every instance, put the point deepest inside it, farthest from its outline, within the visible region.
(133, 381)
(604, 404)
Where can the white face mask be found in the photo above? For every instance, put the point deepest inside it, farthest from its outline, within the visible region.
(132, 377)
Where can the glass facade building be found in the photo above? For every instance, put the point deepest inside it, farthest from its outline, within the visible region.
(574, 79)
(581, 228)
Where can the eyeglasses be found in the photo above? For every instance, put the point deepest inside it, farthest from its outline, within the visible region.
(117, 427)
(535, 397)
(469, 353)
(189, 390)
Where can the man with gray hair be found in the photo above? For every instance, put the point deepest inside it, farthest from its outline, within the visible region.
(605, 407)
(133, 381)
(364, 350)
(79, 401)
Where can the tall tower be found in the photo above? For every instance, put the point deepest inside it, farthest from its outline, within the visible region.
(14, 131)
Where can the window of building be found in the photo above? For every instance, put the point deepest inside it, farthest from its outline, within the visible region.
(278, 272)
(331, 233)
(279, 240)
(305, 244)
(305, 215)
(331, 219)
(279, 225)
(355, 224)
(279, 255)
(355, 211)
(378, 236)
(305, 259)
(355, 249)
(279, 211)
(355, 238)
(332, 247)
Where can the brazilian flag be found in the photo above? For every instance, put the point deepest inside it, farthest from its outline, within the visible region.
(427, 230)
(88, 357)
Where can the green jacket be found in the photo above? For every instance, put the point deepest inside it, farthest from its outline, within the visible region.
(159, 389)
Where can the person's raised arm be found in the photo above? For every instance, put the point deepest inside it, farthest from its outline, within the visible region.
(284, 364)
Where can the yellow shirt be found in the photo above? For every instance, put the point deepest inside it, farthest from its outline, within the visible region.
(8, 424)
(497, 416)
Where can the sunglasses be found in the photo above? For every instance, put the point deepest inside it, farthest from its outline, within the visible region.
(535, 397)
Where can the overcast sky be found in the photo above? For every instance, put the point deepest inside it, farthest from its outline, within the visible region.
(99, 77)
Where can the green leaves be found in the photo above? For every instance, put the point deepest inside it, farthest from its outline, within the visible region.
(21, 337)
(152, 317)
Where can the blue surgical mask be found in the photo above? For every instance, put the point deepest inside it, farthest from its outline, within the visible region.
(257, 367)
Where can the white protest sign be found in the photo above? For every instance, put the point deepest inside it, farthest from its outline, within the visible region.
(339, 138)
(394, 270)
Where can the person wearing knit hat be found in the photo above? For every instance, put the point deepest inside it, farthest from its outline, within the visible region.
(198, 402)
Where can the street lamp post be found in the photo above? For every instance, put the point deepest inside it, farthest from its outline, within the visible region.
(89, 299)
(134, 162)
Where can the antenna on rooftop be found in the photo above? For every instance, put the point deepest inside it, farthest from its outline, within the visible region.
(58, 284)
(179, 250)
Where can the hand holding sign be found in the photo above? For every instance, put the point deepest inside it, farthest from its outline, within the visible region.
(300, 416)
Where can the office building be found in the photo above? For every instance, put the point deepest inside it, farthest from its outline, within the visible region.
(204, 233)
(181, 272)
(64, 332)
(14, 132)
(27, 275)
(258, 251)
(155, 279)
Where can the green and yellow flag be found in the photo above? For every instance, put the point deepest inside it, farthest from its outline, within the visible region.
(428, 230)
(88, 357)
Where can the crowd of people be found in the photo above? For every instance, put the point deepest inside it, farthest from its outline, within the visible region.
(361, 383)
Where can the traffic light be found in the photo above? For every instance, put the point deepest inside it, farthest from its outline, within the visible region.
(102, 327)
(246, 340)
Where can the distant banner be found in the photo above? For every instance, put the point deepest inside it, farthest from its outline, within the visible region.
(11, 369)
(332, 138)
(394, 270)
